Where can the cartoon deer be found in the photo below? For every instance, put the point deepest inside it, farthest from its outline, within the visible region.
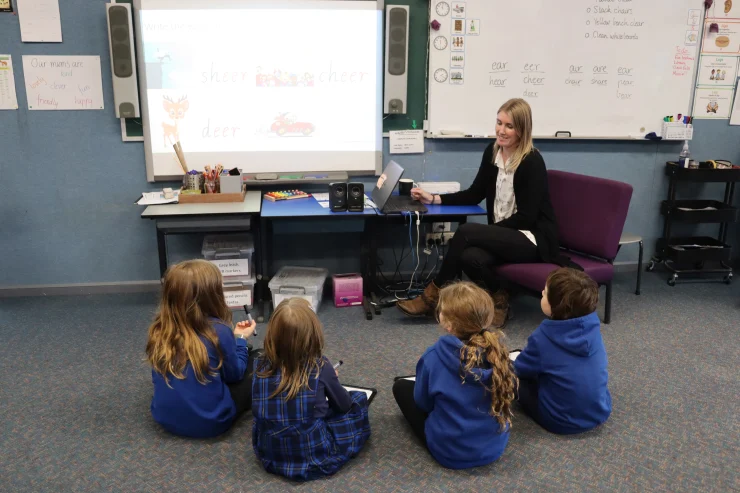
(176, 110)
(3, 63)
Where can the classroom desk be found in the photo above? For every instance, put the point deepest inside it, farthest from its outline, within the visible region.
(308, 209)
(203, 218)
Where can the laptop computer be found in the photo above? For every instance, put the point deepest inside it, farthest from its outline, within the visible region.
(383, 193)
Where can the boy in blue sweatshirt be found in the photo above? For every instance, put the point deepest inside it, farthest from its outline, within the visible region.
(562, 370)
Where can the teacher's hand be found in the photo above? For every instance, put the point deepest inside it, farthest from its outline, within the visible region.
(422, 196)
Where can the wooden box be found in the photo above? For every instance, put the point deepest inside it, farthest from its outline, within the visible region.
(212, 198)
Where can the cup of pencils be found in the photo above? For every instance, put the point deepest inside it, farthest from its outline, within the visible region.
(211, 178)
(193, 180)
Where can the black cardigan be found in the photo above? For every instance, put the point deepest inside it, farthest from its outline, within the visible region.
(534, 210)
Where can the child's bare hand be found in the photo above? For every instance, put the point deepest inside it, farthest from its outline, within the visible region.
(245, 328)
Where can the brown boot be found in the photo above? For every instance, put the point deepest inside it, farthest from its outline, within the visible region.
(421, 305)
(501, 306)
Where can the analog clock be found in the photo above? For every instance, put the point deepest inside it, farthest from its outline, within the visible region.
(440, 75)
(443, 8)
(440, 42)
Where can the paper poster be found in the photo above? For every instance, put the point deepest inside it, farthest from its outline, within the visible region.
(725, 9)
(6, 6)
(727, 40)
(713, 102)
(717, 70)
(63, 82)
(40, 21)
(8, 100)
(735, 115)
(406, 141)
(694, 17)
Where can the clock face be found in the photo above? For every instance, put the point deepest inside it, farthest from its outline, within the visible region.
(443, 8)
(440, 42)
(440, 75)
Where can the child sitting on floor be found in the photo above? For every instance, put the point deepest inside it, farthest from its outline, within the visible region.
(562, 370)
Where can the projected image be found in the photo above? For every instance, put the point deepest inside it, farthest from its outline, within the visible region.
(283, 78)
(288, 124)
(223, 83)
(175, 109)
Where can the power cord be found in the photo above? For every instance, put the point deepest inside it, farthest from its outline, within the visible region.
(418, 260)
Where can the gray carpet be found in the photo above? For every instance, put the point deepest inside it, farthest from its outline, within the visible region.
(75, 393)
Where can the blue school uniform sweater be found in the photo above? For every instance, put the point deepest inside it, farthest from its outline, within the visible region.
(189, 408)
(568, 360)
(460, 431)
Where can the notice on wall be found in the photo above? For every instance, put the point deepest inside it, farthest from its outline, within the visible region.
(8, 100)
(40, 21)
(63, 82)
(717, 70)
(713, 102)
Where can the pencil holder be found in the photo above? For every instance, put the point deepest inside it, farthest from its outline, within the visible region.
(193, 182)
(211, 185)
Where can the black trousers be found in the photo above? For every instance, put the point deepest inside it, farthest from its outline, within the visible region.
(241, 391)
(477, 249)
(403, 391)
(528, 398)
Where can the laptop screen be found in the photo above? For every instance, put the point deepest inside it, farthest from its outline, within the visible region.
(387, 182)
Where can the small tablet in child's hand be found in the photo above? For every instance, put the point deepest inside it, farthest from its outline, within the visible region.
(514, 354)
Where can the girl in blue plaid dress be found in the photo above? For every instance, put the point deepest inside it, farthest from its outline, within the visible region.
(306, 425)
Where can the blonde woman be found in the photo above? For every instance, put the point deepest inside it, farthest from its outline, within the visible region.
(521, 222)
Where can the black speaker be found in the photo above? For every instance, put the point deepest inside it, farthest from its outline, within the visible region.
(337, 197)
(355, 197)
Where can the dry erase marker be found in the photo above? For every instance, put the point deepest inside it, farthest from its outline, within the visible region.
(249, 317)
(338, 364)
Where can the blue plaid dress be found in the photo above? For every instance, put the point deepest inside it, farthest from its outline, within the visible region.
(291, 442)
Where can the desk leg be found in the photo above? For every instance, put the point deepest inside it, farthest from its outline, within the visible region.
(368, 266)
(265, 264)
(162, 249)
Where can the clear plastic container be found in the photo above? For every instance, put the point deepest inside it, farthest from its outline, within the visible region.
(239, 292)
(301, 282)
(231, 253)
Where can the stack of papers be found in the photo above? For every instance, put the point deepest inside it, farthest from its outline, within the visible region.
(155, 198)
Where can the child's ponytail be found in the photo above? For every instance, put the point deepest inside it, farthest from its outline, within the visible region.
(467, 311)
(488, 345)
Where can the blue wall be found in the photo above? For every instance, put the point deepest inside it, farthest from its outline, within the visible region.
(68, 183)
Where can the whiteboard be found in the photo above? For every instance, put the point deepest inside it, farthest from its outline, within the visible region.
(594, 68)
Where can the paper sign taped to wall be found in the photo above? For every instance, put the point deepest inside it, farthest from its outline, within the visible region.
(406, 141)
(63, 82)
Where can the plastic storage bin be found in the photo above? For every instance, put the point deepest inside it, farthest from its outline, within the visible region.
(301, 282)
(231, 253)
(239, 292)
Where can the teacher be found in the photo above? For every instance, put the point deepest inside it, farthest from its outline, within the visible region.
(521, 222)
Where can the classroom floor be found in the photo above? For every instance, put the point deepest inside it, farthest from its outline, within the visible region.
(75, 394)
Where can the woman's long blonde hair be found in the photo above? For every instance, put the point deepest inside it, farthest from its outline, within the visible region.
(192, 293)
(293, 345)
(521, 115)
(468, 310)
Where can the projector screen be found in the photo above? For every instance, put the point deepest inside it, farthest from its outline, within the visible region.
(269, 87)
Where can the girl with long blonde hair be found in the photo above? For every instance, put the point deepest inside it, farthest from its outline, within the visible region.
(460, 402)
(306, 425)
(199, 368)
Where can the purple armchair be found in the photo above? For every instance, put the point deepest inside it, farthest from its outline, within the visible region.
(590, 213)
